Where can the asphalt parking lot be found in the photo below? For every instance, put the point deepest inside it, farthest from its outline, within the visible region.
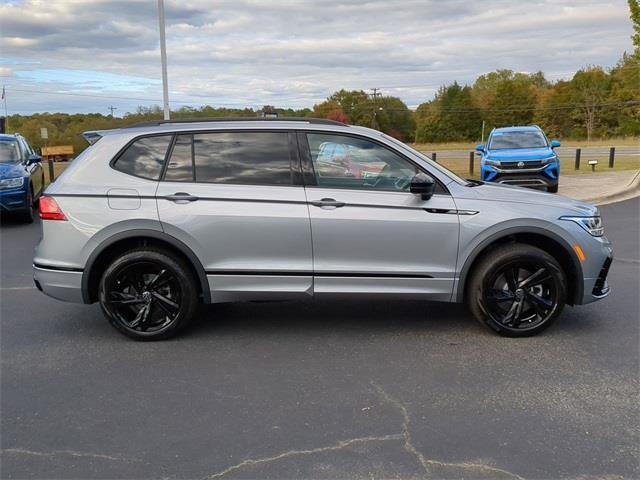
(320, 390)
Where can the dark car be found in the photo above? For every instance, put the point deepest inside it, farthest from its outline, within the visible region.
(21, 177)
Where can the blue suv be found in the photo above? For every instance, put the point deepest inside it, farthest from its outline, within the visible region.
(21, 176)
(520, 156)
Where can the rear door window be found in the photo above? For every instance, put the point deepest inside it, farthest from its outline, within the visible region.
(144, 157)
(248, 158)
(180, 166)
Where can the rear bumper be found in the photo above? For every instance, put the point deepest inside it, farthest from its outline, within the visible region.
(65, 285)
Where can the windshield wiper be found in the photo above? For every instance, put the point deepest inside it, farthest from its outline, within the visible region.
(473, 183)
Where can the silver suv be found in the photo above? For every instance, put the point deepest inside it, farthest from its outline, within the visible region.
(152, 220)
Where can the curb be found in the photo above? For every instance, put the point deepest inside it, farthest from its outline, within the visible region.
(631, 190)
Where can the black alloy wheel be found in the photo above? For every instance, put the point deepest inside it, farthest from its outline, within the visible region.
(520, 295)
(148, 295)
(517, 290)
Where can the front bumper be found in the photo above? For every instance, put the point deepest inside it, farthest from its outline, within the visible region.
(65, 285)
(596, 270)
(11, 200)
(540, 177)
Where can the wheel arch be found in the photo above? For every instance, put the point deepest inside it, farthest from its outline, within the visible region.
(123, 241)
(546, 240)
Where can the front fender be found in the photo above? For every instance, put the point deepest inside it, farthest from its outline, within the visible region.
(470, 251)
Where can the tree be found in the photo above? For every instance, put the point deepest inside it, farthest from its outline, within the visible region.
(338, 115)
(554, 111)
(624, 115)
(590, 88)
(353, 103)
(388, 114)
(634, 7)
(394, 118)
(450, 116)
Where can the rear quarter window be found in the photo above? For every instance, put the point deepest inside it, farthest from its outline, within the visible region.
(144, 157)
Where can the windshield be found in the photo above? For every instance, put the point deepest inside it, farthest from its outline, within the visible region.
(504, 140)
(9, 152)
(435, 165)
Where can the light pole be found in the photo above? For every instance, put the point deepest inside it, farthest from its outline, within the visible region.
(163, 58)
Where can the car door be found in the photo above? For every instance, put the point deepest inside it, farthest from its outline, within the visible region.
(370, 235)
(34, 170)
(236, 198)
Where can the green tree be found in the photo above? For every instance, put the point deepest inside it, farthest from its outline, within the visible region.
(590, 88)
(450, 116)
(394, 118)
(624, 115)
(554, 111)
(634, 7)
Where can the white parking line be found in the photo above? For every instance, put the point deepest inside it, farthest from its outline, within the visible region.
(17, 288)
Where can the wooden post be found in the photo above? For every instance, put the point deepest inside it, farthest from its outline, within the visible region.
(472, 155)
(612, 155)
(51, 173)
(578, 151)
(433, 157)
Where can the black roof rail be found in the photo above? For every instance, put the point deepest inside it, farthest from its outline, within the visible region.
(155, 123)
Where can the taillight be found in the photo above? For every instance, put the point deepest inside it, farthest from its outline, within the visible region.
(50, 210)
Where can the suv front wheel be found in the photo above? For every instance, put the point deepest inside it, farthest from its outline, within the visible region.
(148, 294)
(517, 290)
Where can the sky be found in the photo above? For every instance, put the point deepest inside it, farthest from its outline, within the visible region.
(88, 55)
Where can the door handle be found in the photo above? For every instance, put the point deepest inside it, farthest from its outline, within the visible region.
(181, 197)
(327, 202)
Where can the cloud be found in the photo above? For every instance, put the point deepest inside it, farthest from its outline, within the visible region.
(293, 53)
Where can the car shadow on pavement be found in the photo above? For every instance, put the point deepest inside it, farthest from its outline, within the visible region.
(318, 316)
(403, 317)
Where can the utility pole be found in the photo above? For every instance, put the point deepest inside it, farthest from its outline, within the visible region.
(6, 112)
(376, 93)
(163, 59)
(112, 108)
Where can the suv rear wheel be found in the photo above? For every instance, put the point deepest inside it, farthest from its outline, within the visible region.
(148, 294)
(517, 290)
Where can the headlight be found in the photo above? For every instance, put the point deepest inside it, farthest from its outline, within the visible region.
(593, 225)
(493, 163)
(12, 182)
(546, 161)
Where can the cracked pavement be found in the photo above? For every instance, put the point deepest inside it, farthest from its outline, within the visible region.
(346, 389)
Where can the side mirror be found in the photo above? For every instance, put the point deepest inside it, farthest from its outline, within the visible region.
(422, 184)
(480, 148)
(33, 158)
(555, 143)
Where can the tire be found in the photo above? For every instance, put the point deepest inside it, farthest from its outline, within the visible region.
(517, 290)
(148, 294)
(552, 189)
(27, 215)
